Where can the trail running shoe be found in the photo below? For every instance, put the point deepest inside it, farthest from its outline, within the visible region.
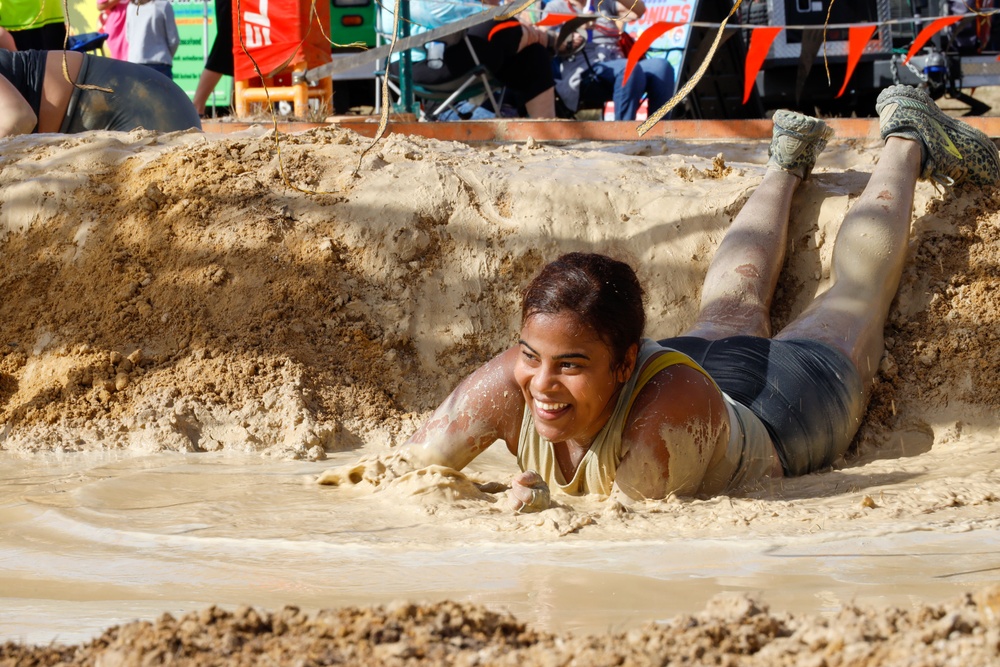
(796, 141)
(953, 152)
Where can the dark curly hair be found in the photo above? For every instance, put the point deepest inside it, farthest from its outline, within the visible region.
(602, 292)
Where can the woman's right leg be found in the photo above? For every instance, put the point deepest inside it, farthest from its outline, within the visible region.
(526, 70)
(739, 285)
(868, 256)
(627, 95)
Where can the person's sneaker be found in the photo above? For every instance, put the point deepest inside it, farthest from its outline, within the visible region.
(952, 150)
(796, 141)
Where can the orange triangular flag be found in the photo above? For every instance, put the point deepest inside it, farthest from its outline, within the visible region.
(502, 26)
(554, 19)
(929, 32)
(760, 43)
(642, 44)
(857, 38)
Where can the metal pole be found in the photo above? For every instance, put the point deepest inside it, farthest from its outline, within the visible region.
(407, 103)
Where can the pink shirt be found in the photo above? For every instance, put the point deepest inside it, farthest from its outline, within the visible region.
(114, 26)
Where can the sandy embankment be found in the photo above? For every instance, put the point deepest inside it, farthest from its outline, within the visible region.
(173, 294)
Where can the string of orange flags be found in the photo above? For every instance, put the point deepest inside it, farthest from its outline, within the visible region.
(762, 37)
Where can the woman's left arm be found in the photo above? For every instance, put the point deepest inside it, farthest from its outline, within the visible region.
(677, 424)
(630, 10)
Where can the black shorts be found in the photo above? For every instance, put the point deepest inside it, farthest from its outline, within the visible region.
(140, 97)
(808, 395)
(220, 58)
(49, 37)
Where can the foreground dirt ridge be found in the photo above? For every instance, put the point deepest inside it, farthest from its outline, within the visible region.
(732, 630)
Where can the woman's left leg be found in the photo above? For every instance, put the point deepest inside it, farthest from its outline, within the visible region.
(739, 285)
(920, 142)
(626, 97)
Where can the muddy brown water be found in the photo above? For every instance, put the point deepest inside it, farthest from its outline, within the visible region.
(92, 540)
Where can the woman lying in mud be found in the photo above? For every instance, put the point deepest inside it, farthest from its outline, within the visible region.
(36, 96)
(587, 405)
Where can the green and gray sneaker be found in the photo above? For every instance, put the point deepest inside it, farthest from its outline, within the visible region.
(796, 141)
(953, 151)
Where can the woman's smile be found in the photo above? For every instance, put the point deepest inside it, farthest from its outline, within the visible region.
(566, 374)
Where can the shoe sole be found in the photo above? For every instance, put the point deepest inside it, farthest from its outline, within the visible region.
(784, 114)
(811, 131)
(914, 98)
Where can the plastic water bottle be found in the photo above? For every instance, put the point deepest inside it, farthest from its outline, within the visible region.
(435, 54)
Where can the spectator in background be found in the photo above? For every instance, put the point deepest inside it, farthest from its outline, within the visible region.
(34, 24)
(592, 67)
(139, 96)
(220, 58)
(152, 35)
(113, 15)
(518, 57)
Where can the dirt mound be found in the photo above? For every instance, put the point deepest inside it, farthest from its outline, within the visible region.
(733, 630)
(196, 294)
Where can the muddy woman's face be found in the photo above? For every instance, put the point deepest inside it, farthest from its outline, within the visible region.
(565, 373)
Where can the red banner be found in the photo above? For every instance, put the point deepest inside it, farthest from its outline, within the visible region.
(277, 34)
(928, 32)
(857, 39)
(642, 44)
(502, 26)
(760, 43)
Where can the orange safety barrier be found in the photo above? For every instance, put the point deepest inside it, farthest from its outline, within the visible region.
(284, 38)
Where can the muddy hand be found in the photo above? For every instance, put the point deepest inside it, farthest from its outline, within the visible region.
(528, 493)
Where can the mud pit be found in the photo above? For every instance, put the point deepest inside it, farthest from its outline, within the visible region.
(170, 301)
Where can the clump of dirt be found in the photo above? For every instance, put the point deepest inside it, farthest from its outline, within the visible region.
(211, 297)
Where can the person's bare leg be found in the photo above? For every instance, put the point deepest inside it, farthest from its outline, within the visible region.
(739, 285)
(868, 259)
(206, 84)
(542, 105)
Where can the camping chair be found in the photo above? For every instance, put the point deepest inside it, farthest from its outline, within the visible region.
(444, 96)
(90, 41)
(435, 99)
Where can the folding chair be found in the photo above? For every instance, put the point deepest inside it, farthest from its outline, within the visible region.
(475, 83)
(440, 97)
(90, 41)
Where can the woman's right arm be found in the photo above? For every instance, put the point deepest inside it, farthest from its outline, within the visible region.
(16, 116)
(487, 406)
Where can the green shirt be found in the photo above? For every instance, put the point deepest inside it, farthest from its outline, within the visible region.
(26, 14)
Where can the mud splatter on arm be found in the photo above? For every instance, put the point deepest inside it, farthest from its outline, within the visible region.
(487, 406)
(677, 424)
